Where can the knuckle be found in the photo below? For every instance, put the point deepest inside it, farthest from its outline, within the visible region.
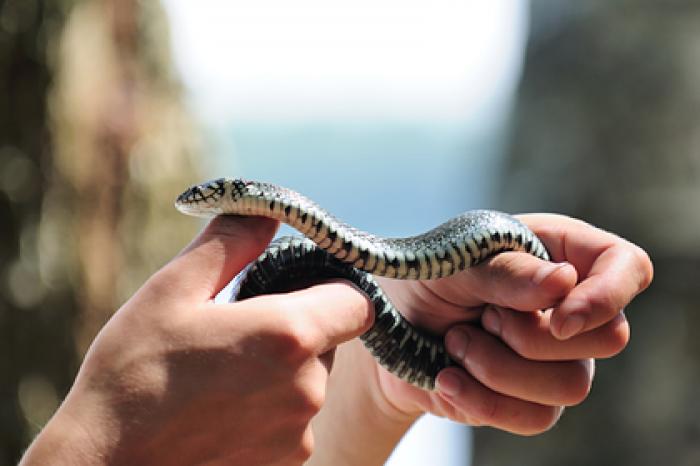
(310, 399)
(614, 336)
(295, 340)
(302, 453)
(544, 419)
(578, 382)
(305, 448)
(607, 300)
(486, 412)
(303, 341)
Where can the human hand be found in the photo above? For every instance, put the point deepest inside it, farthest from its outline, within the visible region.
(523, 365)
(175, 379)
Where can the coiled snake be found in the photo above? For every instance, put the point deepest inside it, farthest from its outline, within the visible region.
(333, 249)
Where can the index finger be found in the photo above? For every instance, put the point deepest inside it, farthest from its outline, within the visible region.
(612, 271)
(316, 319)
(214, 257)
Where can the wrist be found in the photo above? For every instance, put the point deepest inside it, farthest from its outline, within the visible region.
(356, 412)
(75, 435)
(64, 441)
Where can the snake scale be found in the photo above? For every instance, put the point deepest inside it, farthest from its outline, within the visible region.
(333, 249)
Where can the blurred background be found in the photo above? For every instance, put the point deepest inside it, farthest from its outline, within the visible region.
(395, 116)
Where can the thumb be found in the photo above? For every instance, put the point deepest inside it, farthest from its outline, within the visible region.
(521, 281)
(226, 245)
(318, 318)
(513, 280)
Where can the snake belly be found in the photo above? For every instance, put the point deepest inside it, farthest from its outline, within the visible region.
(333, 249)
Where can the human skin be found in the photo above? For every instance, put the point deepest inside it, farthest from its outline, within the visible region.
(523, 365)
(174, 378)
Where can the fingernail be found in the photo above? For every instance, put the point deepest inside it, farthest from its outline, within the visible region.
(448, 384)
(546, 270)
(491, 320)
(456, 342)
(571, 326)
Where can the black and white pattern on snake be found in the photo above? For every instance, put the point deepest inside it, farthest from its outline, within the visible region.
(333, 249)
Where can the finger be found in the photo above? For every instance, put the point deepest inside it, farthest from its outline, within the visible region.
(613, 271)
(314, 320)
(512, 279)
(615, 278)
(226, 245)
(473, 403)
(502, 370)
(529, 335)
(570, 239)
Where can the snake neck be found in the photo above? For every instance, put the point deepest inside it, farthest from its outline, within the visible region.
(342, 241)
(455, 245)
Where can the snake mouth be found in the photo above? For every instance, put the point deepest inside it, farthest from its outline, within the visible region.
(194, 202)
(197, 210)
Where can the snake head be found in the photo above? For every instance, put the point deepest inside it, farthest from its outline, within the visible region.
(203, 200)
(216, 197)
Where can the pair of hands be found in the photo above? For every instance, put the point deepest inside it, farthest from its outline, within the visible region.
(175, 379)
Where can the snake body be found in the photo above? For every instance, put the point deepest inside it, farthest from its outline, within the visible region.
(334, 249)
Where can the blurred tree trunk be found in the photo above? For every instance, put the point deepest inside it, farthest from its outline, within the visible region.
(94, 145)
(607, 129)
(27, 313)
(124, 147)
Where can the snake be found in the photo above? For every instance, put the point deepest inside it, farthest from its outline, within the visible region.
(332, 249)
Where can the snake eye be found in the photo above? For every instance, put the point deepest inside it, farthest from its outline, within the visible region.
(191, 195)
